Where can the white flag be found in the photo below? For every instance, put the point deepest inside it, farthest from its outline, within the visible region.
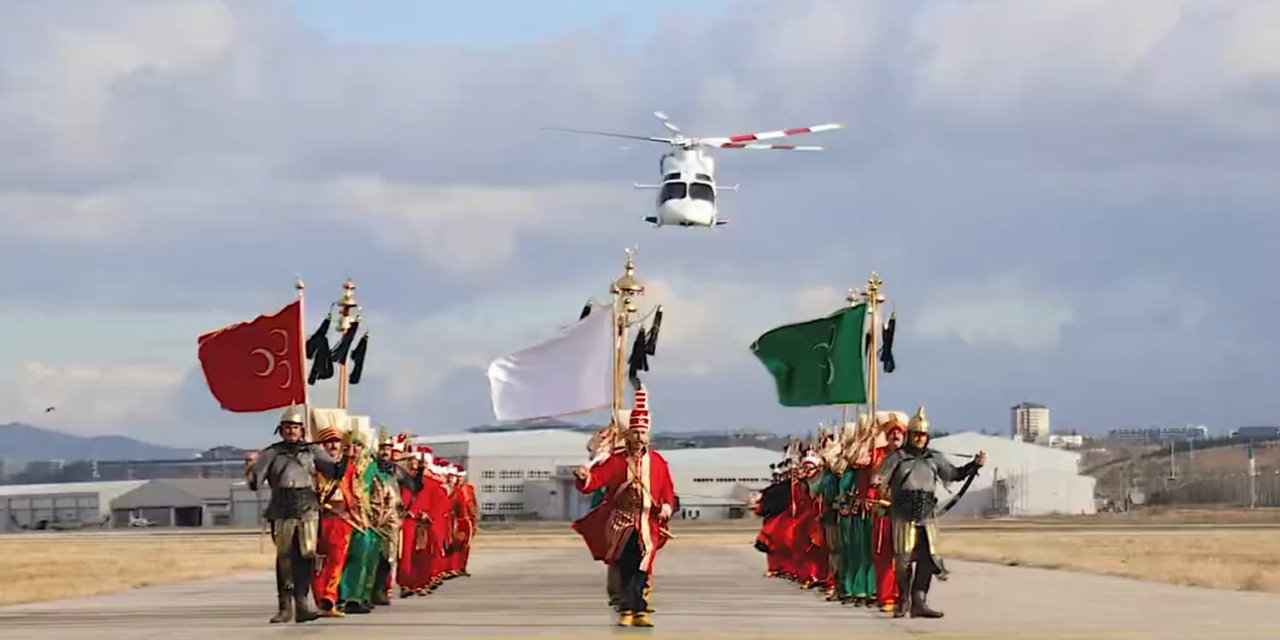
(570, 373)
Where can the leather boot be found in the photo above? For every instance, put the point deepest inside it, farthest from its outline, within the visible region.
(904, 590)
(920, 607)
(304, 610)
(284, 591)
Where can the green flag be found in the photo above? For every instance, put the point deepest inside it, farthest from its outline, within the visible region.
(819, 362)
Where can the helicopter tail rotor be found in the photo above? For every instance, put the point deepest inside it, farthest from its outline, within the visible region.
(666, 122)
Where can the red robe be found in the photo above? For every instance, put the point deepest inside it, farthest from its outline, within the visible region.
(335, 533)
(607, 527)
(413, 570)
(881, 538)
(432, 535)
(784, 536)
(808, 538)
(467, 513)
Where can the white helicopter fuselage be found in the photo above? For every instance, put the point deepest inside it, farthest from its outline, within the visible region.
(687, 192)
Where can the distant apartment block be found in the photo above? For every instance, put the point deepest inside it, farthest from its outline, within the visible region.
(1161, 434)
(1030, 422)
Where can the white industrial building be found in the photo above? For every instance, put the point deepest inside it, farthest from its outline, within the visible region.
(529, 474)
(53, 506)
(502, 465)
(716, 483)
(179, 502)
(710, 484)
(1019, 479)
(73, 505)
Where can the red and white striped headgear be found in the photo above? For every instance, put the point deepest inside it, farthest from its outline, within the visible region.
(640, 413)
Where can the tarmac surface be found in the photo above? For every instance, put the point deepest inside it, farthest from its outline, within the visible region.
(700, 592)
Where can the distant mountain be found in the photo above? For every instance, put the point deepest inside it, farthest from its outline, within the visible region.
(25, 442)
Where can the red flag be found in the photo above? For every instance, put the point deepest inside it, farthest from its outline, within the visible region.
(256, 365)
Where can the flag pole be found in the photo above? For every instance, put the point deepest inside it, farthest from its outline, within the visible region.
(345, 319)
(308, 430)
(624, 289)
(853, 298)
(873, 298)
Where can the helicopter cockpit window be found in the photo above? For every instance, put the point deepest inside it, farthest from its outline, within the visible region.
(671, 176)
(702, 176)
(672, 191)
(699, 191)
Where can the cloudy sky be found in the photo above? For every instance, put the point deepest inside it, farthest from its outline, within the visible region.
(1070, 201)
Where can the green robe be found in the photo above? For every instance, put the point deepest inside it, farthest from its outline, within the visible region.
(856, 568)
(380, 547)
(362, 555)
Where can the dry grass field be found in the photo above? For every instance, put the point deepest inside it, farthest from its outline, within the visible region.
(1241, 559)
(45, 567)
(55, 565)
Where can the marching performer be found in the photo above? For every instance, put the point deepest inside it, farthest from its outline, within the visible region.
(384, 503)
(339, 499)
(354, 589)
(289, 467)
(828, 494)
(630, 524)
(861, 567)
(773, 502)
(911, 474)
(851, 590)
(881, 529)
(413, 570)
(603, 444)
(810, 540)
(468, 521)
(436, 539)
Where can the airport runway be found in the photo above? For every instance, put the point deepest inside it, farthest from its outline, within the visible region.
(701, 592)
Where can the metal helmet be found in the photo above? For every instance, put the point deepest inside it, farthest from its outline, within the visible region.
(919, 423)
(292, 415)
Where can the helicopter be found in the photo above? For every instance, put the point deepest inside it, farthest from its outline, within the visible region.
(687, 192)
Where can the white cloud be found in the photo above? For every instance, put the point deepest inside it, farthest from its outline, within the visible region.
(466, 228)
(93, 399)
(1004, 309)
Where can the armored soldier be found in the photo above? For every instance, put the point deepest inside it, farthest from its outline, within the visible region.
(911, 474)
(289, 467)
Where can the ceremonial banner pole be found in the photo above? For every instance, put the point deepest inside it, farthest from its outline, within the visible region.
(624, 290)
(345, 320)
(873, 298)
(853, 298)
(307, 427)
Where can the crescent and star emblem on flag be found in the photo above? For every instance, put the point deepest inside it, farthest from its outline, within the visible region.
(270, 357)
(831, 365)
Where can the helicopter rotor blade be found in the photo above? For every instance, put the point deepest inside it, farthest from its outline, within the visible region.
(610, 134)
(726, 141)
(780, 147)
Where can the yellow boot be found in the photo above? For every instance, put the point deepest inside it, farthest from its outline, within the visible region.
(626, 618)
(641, 620)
